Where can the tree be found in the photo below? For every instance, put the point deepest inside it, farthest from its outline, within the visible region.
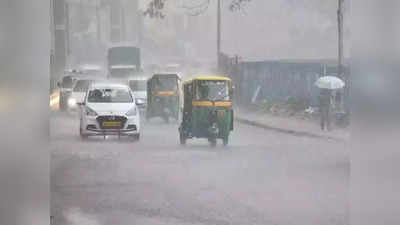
(193, 7)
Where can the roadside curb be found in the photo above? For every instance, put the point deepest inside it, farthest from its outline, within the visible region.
(287, 131)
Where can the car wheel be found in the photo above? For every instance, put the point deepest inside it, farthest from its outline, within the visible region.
(62, 104)
(136, 137)
(83, 136)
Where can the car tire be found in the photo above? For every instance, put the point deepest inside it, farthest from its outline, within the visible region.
(83, 136)
(136, 137)
(62, 104)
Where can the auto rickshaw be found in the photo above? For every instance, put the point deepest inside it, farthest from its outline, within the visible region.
(207, 110)
(163, 96)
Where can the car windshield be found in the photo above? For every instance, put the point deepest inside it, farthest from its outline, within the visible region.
(67, 82)
(165, 83)
(91, 72)
(108, 95)
(138, 85)
(82, 85)
(212, 90)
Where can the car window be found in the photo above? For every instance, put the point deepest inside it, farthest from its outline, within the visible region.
(105, 95)
(82, 85)
(67, 82)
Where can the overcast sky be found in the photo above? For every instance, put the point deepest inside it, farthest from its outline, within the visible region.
(274, 29)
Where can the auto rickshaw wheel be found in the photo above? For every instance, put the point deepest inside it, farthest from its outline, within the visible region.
(225, 141)
(213, 142)
(182, 139)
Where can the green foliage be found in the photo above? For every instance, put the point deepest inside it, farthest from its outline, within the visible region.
(296, 105)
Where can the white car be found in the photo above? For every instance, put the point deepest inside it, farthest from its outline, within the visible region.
(109, 109)
(78, 93)
(139, 87)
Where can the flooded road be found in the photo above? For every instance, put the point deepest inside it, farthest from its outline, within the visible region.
(262, 177)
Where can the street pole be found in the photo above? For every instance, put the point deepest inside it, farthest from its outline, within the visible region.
(219, 34)
(341, 72)
(340, 39)
(98, 30)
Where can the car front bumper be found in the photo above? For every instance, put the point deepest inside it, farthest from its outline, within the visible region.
(91, 127)
(118, 132)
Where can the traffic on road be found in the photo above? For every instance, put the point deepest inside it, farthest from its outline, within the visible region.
(149, 126)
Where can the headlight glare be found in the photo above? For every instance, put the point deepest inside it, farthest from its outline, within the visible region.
(71, 102)
(140, 101)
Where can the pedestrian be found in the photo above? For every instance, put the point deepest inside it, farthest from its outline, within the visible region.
(325, 104)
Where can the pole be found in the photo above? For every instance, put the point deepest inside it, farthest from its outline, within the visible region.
(343, 104)
(340, 38)
(219, 34)
(98, 5)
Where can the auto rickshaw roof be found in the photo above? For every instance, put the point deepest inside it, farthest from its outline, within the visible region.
(208, 77)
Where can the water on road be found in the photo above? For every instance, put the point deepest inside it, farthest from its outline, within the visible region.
(262, 177)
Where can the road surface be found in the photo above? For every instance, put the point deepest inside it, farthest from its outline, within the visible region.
(263, 177)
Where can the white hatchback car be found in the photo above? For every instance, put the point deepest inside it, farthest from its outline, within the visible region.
(109, 109)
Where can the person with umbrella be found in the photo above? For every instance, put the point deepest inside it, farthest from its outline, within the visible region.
(327, 84)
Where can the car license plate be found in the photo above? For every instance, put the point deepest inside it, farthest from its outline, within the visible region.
(111, 124)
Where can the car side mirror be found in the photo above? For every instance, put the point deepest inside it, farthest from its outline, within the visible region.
(81, 103)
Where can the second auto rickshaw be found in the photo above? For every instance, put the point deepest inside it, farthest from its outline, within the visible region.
(207, 111)
(163, 96)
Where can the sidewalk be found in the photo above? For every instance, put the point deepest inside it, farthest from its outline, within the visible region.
(289, 125)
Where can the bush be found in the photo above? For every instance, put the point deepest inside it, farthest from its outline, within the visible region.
(296, 105)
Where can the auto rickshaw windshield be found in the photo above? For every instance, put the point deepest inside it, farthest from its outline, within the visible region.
(213, 90)
(165, 84)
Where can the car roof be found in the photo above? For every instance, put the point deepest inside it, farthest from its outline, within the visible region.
(208, 77)
(90, 67)
(138, 78)
(108, 85)
(88, 78)
(166, 74)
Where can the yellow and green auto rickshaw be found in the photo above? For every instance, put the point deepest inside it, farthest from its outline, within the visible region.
(163, 96)
(207, 110)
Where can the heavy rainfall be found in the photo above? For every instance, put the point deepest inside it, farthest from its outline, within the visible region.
(203, 112)
(199, 112)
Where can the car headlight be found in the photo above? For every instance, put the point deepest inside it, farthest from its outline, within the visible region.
(90, 112)
(132, 112)
(71, 102)
(140, 101)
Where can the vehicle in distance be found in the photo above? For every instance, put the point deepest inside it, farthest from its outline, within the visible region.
(109, 109)
(138, 86)
(123, 61)
(78, 92)
(163, 96)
